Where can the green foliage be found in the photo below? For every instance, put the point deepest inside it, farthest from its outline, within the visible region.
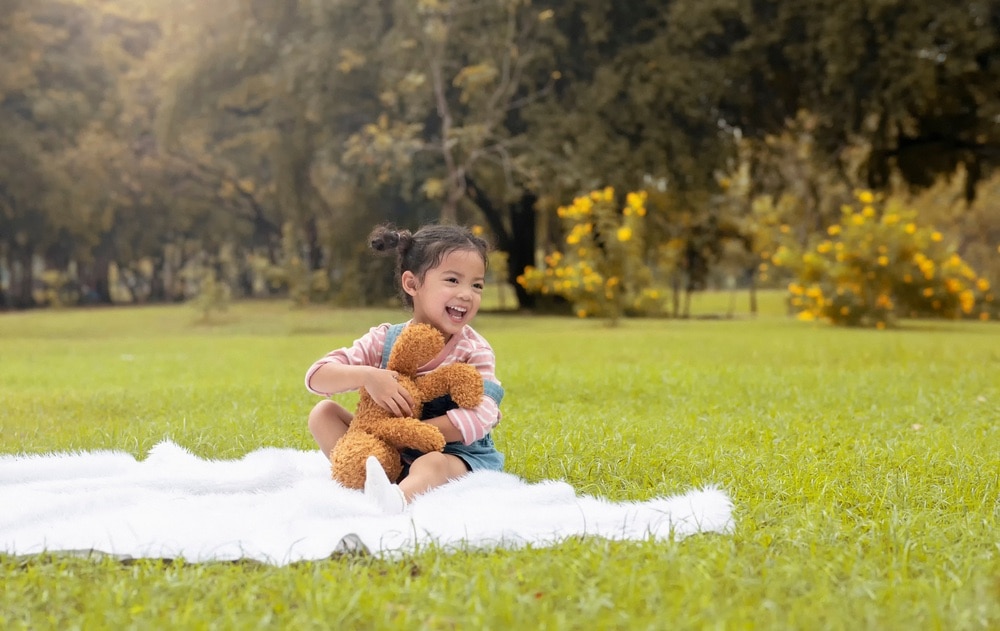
(133, 126)
(212, 296)
(874, 510)
(877, 265)
(601, 270)
(57, 290)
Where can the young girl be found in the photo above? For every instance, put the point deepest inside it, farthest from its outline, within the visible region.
(441, 271)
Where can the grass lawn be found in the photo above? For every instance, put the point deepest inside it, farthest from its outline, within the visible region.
(864, 465)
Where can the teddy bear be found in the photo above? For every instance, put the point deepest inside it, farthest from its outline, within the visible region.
(374, 431)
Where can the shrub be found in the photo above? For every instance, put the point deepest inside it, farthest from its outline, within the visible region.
(213, 295)
(601, 270)
(877, 264)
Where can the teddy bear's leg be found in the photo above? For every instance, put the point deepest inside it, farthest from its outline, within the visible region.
(347, 459)
(462, 381)
(410, 433)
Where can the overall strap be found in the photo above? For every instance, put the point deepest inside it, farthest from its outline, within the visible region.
(493, 390)
(390, 339)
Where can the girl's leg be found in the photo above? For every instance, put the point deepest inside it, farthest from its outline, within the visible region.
(328, 421)
(431, 470)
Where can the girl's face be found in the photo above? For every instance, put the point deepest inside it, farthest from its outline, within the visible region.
(449, 295)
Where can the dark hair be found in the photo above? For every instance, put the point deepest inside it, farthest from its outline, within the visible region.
(424, 249)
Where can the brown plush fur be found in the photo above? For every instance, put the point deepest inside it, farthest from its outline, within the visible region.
(376, 432)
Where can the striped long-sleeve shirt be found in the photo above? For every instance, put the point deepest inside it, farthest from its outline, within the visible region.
(466, 346)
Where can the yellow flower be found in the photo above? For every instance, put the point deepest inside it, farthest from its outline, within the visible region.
(581, 313)
(883, 260)
(928, 292)
(478, 230)
(890, 219)
(785, 229)
(806, 316)
(868, 212)
(936, 236)
(857, 220)
(845, 310)
(866, 197)
(833, 230)
(824, 247)
(968, 300)
(636, 201)
(910, 228)
(982, 284)
(624, 233)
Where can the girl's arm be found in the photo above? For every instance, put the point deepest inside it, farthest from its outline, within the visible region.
(380, 384)
(448, 430)
(356, 366)
(334, 377)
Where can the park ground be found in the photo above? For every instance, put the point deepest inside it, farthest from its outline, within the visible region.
(864, 467)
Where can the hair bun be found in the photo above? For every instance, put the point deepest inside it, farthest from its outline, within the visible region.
(385, 239)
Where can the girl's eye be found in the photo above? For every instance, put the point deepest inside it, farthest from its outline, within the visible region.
(451, 280)
(478, 286)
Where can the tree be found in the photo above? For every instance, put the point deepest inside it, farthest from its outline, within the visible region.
(56, 88)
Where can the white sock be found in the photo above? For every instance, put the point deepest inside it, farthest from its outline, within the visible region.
(386, 495)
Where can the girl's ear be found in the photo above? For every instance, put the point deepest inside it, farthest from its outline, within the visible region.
(409, 282)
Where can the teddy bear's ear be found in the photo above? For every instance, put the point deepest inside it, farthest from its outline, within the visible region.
(415, 346)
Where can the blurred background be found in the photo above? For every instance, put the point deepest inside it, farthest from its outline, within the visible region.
(619, 155)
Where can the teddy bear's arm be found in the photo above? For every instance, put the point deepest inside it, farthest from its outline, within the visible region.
(462, 381)
(403, 433)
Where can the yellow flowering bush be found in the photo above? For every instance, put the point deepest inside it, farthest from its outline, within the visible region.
(600, 270)
(877, 264)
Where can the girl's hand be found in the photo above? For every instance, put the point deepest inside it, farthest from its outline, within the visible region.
(387, 393)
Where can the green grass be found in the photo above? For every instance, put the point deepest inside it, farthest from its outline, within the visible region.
(864, 465)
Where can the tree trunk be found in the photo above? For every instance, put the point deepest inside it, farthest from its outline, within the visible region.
(521, 250)
(94, 276)
(518, 241)
(21, 287)
(312, 242)
(5, 299)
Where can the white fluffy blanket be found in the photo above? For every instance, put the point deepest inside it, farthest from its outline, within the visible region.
(279, 506)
